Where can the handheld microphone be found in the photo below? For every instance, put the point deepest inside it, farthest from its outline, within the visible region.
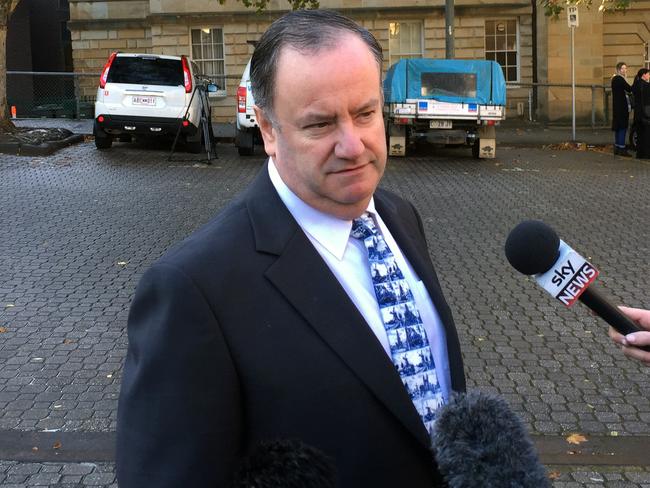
(533, 248)
(286, 464)
(479, 441)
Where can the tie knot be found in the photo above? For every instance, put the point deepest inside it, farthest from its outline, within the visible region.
(363, 226)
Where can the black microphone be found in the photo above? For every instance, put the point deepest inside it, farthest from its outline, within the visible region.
(479, 441)
(534, 248)
(285, 464)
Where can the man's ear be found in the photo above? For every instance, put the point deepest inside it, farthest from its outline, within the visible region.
(267, 130)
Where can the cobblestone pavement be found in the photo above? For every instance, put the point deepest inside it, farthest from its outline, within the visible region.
(81, 226)
(59, 475)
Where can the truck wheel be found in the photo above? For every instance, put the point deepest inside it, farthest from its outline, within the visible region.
(102, 139)
(476, 149)
(245, 143)
(103, 142)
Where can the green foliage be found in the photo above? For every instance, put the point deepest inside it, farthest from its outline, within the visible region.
(553, 8)
(260, 5)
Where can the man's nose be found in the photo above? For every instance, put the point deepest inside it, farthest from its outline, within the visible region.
(349, 144)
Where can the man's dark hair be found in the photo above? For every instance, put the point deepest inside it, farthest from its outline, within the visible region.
(306, 31)
(620, 65)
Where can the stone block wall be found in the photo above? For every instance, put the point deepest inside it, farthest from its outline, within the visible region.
(588, 55)
(91, 49)
(624, 37)
(100, 27)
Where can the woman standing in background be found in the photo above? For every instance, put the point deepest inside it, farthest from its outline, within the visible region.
(621, 108)
(641, 91)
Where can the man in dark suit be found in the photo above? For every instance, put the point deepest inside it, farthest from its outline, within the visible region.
(264, 324)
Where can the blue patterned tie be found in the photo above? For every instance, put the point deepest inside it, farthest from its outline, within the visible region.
(409, 346)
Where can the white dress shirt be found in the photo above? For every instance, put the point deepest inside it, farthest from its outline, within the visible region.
(347, 258)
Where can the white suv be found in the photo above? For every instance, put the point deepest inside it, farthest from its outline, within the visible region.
(150, 95)
(248, 131)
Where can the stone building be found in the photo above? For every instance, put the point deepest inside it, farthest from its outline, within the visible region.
(601, 41)
(220, 38)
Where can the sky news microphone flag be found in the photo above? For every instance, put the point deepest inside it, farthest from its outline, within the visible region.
(534, 248)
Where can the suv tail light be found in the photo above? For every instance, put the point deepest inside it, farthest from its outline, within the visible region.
(104, 76)
(187, 76)
(241, 99)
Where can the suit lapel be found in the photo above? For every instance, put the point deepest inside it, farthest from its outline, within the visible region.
(304, 279)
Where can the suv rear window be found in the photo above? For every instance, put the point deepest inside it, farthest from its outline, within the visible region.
(146, 71)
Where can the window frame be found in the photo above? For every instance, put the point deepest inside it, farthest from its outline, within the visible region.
(495, 51)
(393, 58)
(223, 86)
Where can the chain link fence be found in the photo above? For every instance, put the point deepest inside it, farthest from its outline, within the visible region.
(51, 94)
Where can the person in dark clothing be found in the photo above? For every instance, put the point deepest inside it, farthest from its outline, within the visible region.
(621, 108)
(636, 95)
(641, 91)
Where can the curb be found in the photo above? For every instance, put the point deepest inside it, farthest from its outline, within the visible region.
(553, 450)
(20, 149)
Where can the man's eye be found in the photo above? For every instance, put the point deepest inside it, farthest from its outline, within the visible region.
(367, 115)
(318, 125)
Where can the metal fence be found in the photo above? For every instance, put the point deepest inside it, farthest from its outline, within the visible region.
(72, 95)
(597, 98)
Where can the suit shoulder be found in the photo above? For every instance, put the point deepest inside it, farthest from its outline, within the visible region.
(391, 196)
(385, 197)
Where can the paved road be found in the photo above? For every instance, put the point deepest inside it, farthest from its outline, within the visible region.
(80, 227)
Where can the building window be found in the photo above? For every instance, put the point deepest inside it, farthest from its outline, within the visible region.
(208, 54)
(404, 41)
(501, 45)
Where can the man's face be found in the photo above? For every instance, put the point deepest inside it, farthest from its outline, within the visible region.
(327, 134)
(623, 70)
(645, 76)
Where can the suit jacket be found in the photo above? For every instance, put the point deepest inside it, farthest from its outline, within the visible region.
(241, 333)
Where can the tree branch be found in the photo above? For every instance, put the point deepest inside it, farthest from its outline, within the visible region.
(260, 5)
(553, 8)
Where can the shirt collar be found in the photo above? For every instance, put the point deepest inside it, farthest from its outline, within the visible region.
(330, 232)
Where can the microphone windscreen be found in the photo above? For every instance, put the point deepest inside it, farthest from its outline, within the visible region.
(479, 441)
(285, 464)
(532, 247)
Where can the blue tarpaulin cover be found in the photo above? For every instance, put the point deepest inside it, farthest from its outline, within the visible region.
(447, 80)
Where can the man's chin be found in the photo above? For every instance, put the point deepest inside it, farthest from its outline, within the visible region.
(356, 199)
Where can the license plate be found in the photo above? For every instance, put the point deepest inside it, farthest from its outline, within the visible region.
(440, 124)
(143, 101)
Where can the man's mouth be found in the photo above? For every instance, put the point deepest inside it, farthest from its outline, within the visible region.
(351, 169)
